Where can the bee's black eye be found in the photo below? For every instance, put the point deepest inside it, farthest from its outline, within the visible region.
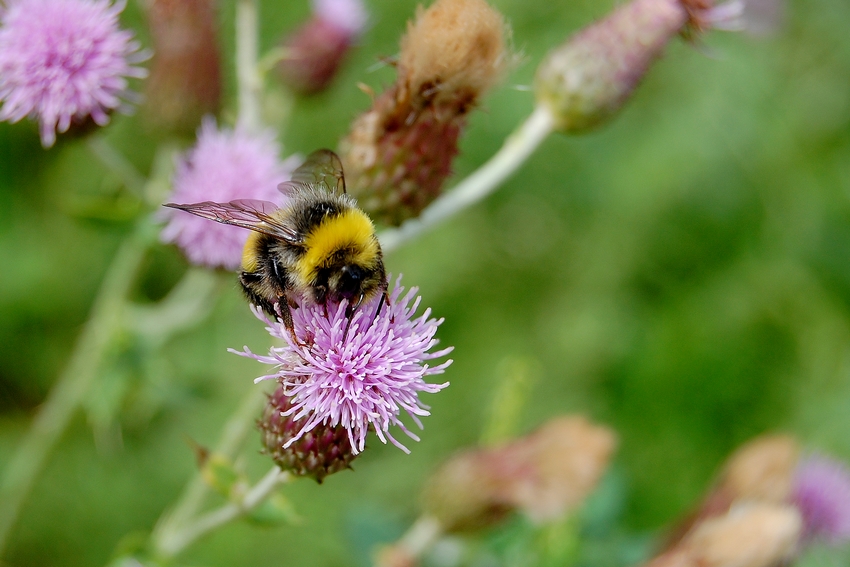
(350, 281)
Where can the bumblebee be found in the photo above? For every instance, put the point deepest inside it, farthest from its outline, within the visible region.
(319, 246)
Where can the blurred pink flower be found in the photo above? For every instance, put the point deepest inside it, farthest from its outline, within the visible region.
(224, 165)
(63, 62)
(822, 494)
(315, 51)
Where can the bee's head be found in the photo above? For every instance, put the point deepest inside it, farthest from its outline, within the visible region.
(350, 281)
(342, 259)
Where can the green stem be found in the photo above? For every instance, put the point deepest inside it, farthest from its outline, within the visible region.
(234, 433)
(418, 539)
(486, 179)
(249, 83)
(190, 301)
(177, 541)
(72, 385)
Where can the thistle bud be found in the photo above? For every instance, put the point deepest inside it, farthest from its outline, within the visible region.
(545, 475)
(315, 51)
(321, 451)
(587, 80)
(185, 79)
(399, 153)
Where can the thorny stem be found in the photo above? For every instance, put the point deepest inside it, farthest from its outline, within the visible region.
(178, 541)
(249, 82)
(486, 179)
(71, 386)
(234, 432)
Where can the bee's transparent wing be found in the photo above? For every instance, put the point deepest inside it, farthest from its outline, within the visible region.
(246, 213)
(323, 169)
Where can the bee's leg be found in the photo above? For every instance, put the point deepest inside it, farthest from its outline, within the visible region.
(350, 311)
(385, 298)
(283, 311)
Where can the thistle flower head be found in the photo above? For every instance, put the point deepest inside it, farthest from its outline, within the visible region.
(399, 153)
(316, 50)
(586, 80)
(223, 166)
(822, 494)
(359, 372)
(347, 15)
(64, 62)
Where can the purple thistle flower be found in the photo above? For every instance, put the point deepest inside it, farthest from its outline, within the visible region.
(347, 15)
(365, 377)
(63, 62)
(822, 494)
(224, 165)
(317, 49)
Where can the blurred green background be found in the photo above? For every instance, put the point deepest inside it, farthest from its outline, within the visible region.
(681, 275)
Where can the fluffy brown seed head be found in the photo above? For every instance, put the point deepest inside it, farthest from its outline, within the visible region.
(399, 153)
(453, 48)
(545, 475)
(761, 470)
(749, 535)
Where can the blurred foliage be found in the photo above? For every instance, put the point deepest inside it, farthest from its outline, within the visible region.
(682, 275)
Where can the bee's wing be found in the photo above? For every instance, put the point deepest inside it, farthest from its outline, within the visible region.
(246, 213)
(323, 169)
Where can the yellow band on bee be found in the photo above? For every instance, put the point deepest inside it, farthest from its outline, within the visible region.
(352, 231)
(249, 253)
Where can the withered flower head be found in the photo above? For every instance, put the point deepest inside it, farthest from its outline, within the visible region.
(399, 153)
(545, 475)
(762, 470)
(185, 80)
(751, 534)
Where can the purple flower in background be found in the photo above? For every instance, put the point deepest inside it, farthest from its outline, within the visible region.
(63, 62)
(317, 49)
(364, 377)
(822, 494)
(347, 15)
(224, 165)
